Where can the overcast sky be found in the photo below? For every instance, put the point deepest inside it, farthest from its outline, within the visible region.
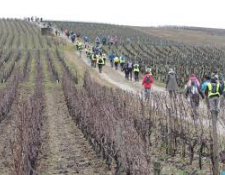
(203, 13)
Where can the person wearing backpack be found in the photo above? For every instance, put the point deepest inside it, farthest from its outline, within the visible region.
(100, 63)
(147, 82)
(104, 56)
(94, 60)
(193, 93)
(171, 83)
(136, 71)
(213, 91)
(193, 78)
(126, 70)
(122, 61)
(111, 58)
(116, 62)
(206, 81)
(130, 69)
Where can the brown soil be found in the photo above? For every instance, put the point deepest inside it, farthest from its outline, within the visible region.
(65, 150)
(6, 132)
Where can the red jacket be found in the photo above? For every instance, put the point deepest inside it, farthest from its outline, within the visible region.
(147, 85)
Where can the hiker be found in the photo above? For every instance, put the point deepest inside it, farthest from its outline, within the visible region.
(126, 70)
(79, 47)
(94, 60)
(104, 40)
(97, 41)
(89, 53)
(122, 61)
(147, 83)
(86, 41)
(193, 79)
(128, 40)
(100, 62)
(116, 62)
(67, 33)
(171, 83)
(130, 69)
(78, 34)
(111, 58)
(213, 91)
(192, 92)
(205, 83)
(136, 70)
(104, 56)
(73, 36)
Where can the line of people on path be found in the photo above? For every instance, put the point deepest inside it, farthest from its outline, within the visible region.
(128, 67)
(212, 90)
(97, 57)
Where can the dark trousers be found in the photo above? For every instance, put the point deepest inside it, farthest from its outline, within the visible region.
(116, 65)
(130, 73)
(136, 76)
(100, 67)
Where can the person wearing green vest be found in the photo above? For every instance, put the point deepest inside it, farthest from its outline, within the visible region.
(100, 62)
(136, 69)
(122, 61)
(79, 47)
(213, 92)
(116, 62)
(104, 56)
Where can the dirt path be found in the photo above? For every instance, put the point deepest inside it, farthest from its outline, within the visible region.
(115, 77)
(65, 150)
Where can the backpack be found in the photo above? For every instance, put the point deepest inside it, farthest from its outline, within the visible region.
(195, 82)
(214, 88)
(194, 90)
(100, 60)
(129, 65)
(147, 79)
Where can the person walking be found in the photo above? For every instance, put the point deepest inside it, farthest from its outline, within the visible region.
(171, 83)
(126, 70)
(80, 47)
(94, 60)
(193, 93)
(116, 62)
(122, 61)
(111, 58)
(104, 56)
(100, 63)
(130, 69)
(204, 85)
(147, 83)
(136, 71)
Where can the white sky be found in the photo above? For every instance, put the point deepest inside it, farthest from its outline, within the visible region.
(203, 13)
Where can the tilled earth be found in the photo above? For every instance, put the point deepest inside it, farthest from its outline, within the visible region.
(65, 150)
(7, 127)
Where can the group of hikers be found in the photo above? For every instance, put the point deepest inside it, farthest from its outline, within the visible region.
(211, 89)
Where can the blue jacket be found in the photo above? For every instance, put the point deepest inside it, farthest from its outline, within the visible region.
(111, 57)
(204, 85)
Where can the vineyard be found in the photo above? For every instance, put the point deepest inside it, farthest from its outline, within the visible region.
(159, 53)
(58, 116)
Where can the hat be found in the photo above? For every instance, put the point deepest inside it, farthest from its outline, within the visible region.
(170, 70)
(148, 70)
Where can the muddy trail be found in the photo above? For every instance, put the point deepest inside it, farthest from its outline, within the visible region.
(64, 149)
